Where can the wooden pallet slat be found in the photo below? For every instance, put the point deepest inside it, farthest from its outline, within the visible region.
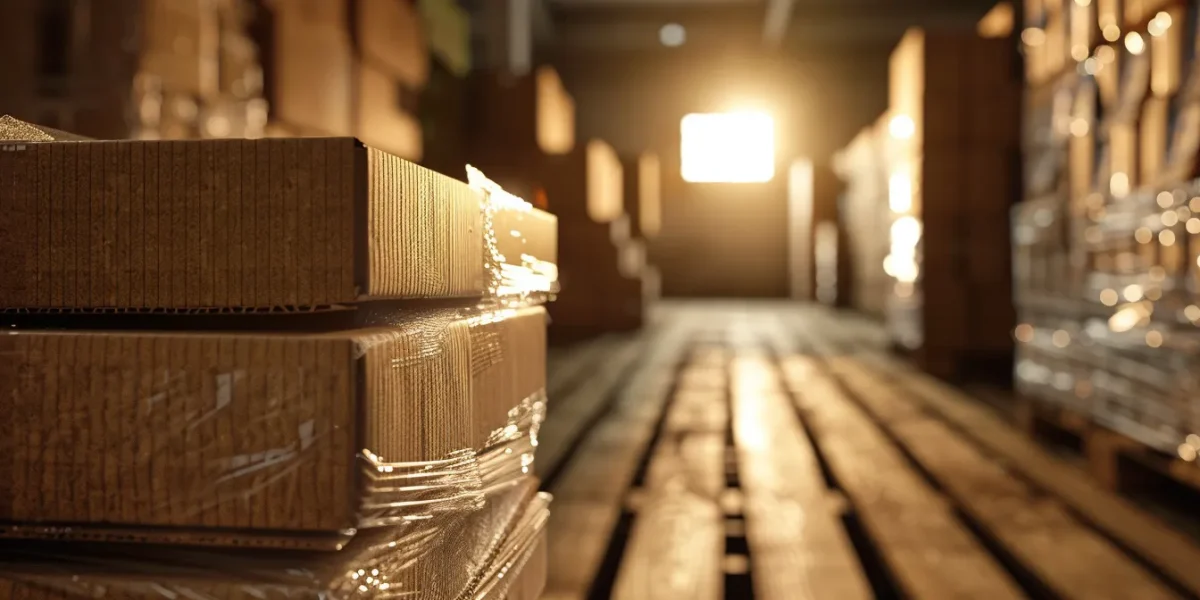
(1169, 550)
(799, 547)
(929, 552)
(1069, 558)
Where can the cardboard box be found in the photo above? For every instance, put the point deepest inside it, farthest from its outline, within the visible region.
(382, 123)
(392, 40)
(460, 554)
(230, 224)
(173, 434)
(309, 67)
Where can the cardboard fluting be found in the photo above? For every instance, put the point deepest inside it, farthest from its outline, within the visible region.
(260, 432)
(231, 225)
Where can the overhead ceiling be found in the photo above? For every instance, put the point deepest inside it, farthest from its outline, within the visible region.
(589, 26)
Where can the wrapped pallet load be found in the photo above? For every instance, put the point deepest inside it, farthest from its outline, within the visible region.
(269, 368)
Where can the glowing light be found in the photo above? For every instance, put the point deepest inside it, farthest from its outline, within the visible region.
(1060, 339)
(1193, 225)
(902, 127)
(906, 231)
(1159, 24)
(672, 35)
(1118, 184)
(1154, 339)
(1083, 2)
(1134, 43)
(1192, 312)
(1194, 204)
(1024, 333)
(1106, 54)
(1079, 52)
(1133, 292)
(1125, 319)
(1187, 452)
(1079, 127)
(900, 192)
(1109, 297)
(1165, 199)
(1166, 237)
(1143, 235)
(1112, 33)
(1033, 37)
(733, 147)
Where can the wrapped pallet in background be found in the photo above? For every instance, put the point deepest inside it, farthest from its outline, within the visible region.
(1105, 243)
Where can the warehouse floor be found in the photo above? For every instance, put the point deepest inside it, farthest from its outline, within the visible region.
(773, 450)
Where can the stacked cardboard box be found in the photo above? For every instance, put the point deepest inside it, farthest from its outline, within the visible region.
(601, 271)
(1106, 241)
(952, 166)
(198, 72)
(522, 130)
(334, 354)
(865, 214)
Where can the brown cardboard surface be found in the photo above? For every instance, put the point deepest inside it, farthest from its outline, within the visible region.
(451, 556)
(231, 224)
(390, 36)
(310, 79)
(382, 123)
(187, 431)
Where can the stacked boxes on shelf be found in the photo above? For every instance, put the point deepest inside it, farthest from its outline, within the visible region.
(602, 287)
(275, 367)
(951, 164)
(197, 69)
(1106, 242)
(199, 73)
(522, 132)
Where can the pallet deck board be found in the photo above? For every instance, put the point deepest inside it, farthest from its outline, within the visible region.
(800, 549)
(1151, 538)
(834, 464)
(1065, 555)
(677, 543)
(928, 551)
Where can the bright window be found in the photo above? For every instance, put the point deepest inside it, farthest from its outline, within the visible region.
(733, 147)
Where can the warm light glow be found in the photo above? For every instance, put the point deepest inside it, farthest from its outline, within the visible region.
(672, 35)
(1106, 54)
(1170, 218)
(1033, 37)
(1133, 292)
(1024, 333)
(1060, 339)
(1154, 339)
(1112, 33)
(900, 192)
(906, 232)
(1118, 184)
(1134, 43)
(733, 147)
(902, 127)
(1109, 297)
(1165, 199)
(1159, 24)
(1079, 127)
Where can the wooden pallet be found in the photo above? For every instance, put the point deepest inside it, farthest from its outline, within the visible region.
(1116, 461)
(820, 469)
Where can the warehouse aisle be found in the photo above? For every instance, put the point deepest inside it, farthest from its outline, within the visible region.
(775, 451)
